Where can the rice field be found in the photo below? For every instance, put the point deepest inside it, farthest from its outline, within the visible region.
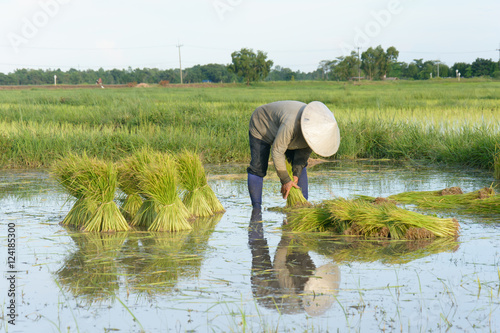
(243, 272)
(438, 121)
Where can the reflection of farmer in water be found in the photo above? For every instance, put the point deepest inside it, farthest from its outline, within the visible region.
(291, 282)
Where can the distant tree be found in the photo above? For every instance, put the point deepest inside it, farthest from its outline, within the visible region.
(280, 74)
(411, 71)
(344, 68)
(483, 67)
(398, 69)
(388, 59)
(325, 66)
(376, 62)
(461, 67)
(250, 66)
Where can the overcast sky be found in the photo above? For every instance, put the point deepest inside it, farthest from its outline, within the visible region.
(297, 34)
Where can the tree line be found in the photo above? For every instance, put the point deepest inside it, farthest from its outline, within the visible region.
(249, 66)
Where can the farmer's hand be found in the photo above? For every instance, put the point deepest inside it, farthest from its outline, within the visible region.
(285, 188)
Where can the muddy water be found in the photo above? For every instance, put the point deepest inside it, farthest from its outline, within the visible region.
(235, 273)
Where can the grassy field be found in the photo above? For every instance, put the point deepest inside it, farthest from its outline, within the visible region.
(439, 121)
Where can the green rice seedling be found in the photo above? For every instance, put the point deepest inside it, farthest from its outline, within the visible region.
(295, 197)
(362, 218)
(496, 162)
(198, 196)
(158, 182)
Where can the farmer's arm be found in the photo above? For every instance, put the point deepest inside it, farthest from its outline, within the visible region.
(280, 145)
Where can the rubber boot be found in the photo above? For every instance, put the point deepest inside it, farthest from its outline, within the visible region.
(303, 183)
(255, 184)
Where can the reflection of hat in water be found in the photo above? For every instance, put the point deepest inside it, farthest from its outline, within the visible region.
(320, 129)
(320, 289)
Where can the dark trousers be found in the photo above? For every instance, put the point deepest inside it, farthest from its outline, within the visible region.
(259, 152)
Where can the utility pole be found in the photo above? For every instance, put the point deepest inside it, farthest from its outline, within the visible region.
(180, 63)
(359, 67)
(498, 56)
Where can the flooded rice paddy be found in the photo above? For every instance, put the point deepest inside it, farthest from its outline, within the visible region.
(239, 272)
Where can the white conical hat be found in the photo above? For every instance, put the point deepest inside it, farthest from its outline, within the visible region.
(320, 129)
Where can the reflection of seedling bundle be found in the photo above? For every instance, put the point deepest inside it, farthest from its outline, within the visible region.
(295, 196)
(198, 197)
(91, 271)
(93, 182)
(348, 249)
(363, 218)
(483, 201)
(154, 261)
(156, 265)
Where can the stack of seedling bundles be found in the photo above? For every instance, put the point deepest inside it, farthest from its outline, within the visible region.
(363, 218)
(152, 186)
(93, 183)
(482, 201)
(198, 196)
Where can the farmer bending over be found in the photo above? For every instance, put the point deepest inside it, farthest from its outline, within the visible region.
(291, 130)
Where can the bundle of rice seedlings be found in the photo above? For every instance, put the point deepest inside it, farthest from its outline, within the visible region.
(158, 182)
(198, 197)
(65, 170)
(101, 180)
(93, 182)
(139, 207)
(295, 197)
(362, 218)
(128, 169)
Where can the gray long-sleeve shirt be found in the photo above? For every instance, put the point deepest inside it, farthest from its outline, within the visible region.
(278, 124)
